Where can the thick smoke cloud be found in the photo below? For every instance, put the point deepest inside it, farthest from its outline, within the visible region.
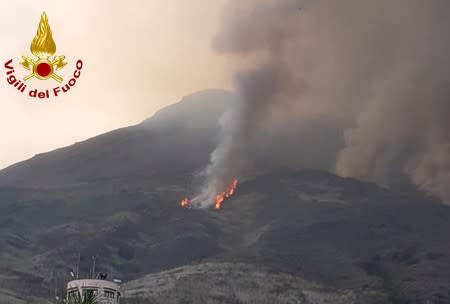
(383, 66)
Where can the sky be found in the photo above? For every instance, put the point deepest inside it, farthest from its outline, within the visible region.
(138, 56)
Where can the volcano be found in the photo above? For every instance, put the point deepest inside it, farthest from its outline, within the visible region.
(300, 234)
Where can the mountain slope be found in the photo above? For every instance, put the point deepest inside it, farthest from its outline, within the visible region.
(116, 196)
(233, 283)
(175, 140)
(339, 233)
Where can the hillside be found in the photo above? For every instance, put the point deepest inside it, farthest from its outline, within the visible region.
(116, 196)
(176, 140)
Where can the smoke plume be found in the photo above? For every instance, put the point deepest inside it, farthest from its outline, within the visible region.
(383, 66)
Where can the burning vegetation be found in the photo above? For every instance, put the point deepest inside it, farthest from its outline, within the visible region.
(185, 203)
(220, 198)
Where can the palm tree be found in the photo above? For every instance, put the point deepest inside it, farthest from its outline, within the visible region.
(77, 298)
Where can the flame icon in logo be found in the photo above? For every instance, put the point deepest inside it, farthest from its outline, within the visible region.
(43, 47)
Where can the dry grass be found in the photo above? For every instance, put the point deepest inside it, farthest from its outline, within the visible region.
(227, 283)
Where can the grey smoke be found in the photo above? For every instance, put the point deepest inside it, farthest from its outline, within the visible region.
(383, 67)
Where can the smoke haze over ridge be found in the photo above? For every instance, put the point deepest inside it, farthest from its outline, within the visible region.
(383, 65)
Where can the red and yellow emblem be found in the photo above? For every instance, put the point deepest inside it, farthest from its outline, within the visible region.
(43, 47)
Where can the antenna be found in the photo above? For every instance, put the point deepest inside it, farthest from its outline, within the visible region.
(56, 288)
(78, 265)
(94, 259)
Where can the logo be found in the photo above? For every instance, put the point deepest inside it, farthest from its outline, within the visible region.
(43, 47)
(42, 66)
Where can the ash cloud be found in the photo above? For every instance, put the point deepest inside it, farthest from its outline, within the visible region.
(380, 67)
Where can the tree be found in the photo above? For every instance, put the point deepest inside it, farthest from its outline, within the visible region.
(77, 298)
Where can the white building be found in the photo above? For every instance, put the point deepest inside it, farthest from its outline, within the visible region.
(106, 292)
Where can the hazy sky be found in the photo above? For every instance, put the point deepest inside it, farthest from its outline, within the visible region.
(138, 57)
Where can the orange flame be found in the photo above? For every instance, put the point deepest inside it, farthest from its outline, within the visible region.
(185, 203)
(220, 197)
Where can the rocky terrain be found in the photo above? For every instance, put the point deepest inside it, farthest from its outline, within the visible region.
(232, 283)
